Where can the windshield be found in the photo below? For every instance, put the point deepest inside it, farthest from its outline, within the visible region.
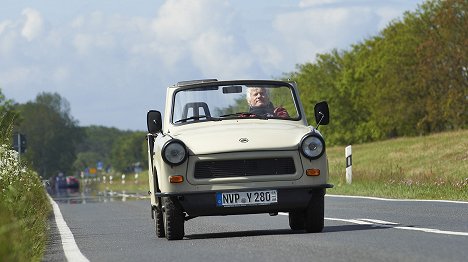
(216, 103)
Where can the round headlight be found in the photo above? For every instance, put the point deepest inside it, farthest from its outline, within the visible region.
(312, 146)
(174, 152)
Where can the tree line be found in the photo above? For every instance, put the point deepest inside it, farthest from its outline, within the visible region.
(55, 142)
(411, 79)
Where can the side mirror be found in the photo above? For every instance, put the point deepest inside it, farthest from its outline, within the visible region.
(322, 115)
(154, 121)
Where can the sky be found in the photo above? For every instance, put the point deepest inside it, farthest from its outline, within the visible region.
(112, 60)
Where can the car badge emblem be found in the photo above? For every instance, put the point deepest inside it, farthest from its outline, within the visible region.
(243, 140)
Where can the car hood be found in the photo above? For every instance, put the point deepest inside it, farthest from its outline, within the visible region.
(206, 138)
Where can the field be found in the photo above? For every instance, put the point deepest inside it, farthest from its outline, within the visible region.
(429, 167)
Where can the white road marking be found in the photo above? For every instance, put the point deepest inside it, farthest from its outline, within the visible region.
(388, 224)
(376, 221)
(72, 252)
(435, 231)
(399, 200)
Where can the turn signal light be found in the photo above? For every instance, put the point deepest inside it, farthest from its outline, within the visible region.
(176, 179)
(313, 172)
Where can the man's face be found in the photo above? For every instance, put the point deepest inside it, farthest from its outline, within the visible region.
(258, 97)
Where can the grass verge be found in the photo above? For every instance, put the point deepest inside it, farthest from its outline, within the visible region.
(429, 167)
(24, 210)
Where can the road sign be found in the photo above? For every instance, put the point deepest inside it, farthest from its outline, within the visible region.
(99, 165)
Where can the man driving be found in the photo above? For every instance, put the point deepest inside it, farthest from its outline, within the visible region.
(259, 102)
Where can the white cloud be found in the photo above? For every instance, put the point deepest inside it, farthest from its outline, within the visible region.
(317, 30)
(271, 56)
(308, 3)
(15, 75)
(33, 25)
(216, 55)
(187, 19)
(82, 43)
(7, 43)
(196, 29)
(4, 25)
(60, 74)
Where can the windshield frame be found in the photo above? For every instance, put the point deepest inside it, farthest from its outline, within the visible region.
(182, 87)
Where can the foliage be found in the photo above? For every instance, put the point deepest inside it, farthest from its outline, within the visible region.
(96, 146)
(129, 150)
(409, 80)
(7, 117)
(24, 206)
(51, 132)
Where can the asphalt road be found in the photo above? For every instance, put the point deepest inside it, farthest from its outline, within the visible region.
(356, 229)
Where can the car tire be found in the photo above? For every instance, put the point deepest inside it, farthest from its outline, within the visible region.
(314, 215)
(297, 220)
(158, 223)
(173, 219)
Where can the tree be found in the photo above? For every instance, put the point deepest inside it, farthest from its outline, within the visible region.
(443, 65)
(52, 134)
(96, 146)
(128, 150)
(7, 118)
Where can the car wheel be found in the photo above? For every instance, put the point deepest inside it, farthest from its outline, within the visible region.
(314, 215)
(173, 219)
(296, 220)
(158, 223)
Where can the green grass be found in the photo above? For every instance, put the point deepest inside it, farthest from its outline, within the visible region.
(429, 167)
(24, 209)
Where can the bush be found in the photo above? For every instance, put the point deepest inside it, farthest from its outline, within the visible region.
(24, 209)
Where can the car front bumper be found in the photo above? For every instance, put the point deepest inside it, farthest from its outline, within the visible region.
(204, 203)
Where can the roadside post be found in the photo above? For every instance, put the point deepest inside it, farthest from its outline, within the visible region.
(349, 164)
(19, 144)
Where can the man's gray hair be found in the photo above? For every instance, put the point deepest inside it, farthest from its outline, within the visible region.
(251, 88)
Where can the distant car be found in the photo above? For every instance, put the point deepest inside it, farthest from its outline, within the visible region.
(72, 182)
(216, 152)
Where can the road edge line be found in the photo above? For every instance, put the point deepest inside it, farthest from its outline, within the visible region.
(70, 248)
(398, 200)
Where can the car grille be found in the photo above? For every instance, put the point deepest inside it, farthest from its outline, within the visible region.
(244, 167)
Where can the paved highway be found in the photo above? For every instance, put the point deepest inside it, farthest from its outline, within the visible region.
(356, 229)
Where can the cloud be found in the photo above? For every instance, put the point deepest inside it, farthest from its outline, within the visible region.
(4, 25)
(202, 31)
(217, 55)
(60, 74)
(187, 19)
(308, 3)
(316, 30)
(33, 25)
(15, 75)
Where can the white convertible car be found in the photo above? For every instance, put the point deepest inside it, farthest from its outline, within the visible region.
(236, 147)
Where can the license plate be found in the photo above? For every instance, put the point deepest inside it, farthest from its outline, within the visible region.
(251, 198)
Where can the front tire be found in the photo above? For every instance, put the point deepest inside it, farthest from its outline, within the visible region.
(158, 223)
(173, 219)
(297, 220)
(314, 215)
